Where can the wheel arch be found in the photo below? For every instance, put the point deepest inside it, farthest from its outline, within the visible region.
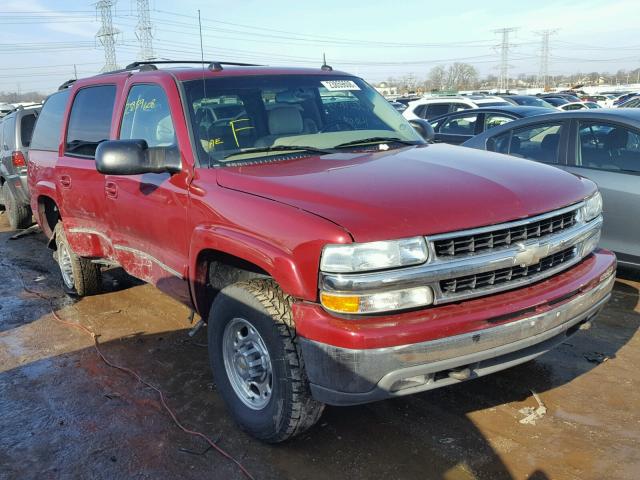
(235, 257)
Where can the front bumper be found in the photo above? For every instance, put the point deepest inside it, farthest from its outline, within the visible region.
(347, 376)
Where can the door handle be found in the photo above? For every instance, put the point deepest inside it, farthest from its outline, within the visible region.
(65, 181)
(111, 189)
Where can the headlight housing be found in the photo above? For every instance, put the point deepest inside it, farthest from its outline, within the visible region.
(592, 207)
(377, 302)
(364, 257)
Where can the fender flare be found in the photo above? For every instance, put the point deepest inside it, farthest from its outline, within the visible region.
(273, 259)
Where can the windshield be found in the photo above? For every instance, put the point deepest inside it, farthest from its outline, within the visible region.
(244, 118)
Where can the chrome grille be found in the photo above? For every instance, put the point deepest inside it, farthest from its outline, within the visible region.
(503, 237)
(504, 275)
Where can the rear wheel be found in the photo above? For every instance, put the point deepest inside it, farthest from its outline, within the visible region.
(19, 215)
(80, 277)
(256, 362)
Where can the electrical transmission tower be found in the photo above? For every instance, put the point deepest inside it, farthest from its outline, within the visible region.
(505, 46)
(545, 53)
(144, 30)
(107, 34)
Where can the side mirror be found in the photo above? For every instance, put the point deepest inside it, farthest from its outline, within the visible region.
(424, 128)
(134, 157)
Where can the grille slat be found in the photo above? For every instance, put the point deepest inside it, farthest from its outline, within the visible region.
(503, 237)
(505, 275)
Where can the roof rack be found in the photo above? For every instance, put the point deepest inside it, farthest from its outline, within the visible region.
(214, 65)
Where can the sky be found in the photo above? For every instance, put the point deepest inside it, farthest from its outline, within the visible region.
(42, 40)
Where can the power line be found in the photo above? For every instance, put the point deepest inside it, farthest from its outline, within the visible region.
(107, 34)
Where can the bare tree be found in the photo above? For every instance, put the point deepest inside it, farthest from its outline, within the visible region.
(437, 78)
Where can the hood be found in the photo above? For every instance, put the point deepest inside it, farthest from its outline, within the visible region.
(411, 191)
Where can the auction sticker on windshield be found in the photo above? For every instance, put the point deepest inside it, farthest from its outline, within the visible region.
(340, 85)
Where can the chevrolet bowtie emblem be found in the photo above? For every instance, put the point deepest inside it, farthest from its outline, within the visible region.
(530, 254)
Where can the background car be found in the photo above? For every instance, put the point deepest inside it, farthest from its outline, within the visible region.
(568, 97)
(602, 145)
(458, 127)
(16, 129)
(578, 106)
(557, 101)
(633, 103)
(399, 106)
(527, 100)
(603, 100)
(429, 108)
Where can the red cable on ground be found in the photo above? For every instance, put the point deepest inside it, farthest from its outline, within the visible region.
(130, 372)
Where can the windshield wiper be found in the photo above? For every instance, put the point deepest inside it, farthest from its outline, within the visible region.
(365, 141)
(281, 148)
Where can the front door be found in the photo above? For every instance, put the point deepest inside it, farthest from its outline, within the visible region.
(609, 154)
(148, 213)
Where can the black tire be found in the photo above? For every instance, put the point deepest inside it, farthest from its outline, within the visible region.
(290, 410)
(86, 277)
(19, 215)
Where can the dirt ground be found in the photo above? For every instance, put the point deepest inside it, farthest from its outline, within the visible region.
(65, 414)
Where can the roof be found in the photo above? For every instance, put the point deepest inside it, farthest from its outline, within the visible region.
(214, 70)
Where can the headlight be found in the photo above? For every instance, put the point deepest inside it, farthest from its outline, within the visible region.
(363, 257)
(377, 302)
(592, 207)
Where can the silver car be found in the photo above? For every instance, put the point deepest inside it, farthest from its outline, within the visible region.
(602, 145)
(15, 136)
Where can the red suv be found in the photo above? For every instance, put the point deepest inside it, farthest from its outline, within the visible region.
(337, 257)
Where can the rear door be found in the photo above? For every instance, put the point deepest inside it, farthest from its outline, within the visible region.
(609, 154)
(79, 185)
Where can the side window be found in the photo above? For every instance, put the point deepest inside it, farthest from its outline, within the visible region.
(147, 116)
(537, 142)
(499, 143)
(46, 133)
(456, 107)
(608, 147)
(90, 120)
(436, 109)
(26, 128)
(495, 120)
(460, 125)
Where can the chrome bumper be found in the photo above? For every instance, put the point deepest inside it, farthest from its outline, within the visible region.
(342, 376)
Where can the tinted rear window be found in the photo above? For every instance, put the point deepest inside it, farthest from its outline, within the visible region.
(46, 134)
(90, 120)
(26, 128)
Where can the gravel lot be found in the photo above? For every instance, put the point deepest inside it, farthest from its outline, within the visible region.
(65, 414)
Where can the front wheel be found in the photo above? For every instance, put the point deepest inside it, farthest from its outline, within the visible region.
(256, 362)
